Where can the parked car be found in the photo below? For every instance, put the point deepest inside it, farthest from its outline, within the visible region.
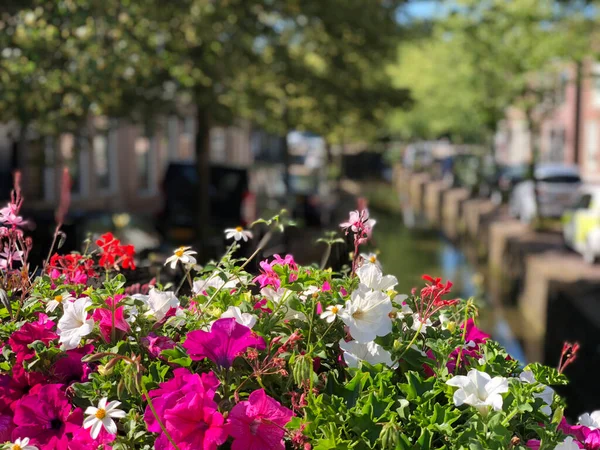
(231, 203)
(556, 187)
(581, 224)
(507, 177)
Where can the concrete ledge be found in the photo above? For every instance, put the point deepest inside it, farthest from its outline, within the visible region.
(474, 210)
(499, 233)
(433, 200)
(416, 190)
(542, 270)
(452, 202)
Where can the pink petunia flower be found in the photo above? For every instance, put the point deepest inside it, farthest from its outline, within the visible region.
(104, 318)
(29, 333)
(82, 440)
(47, 418)
(258, 424)
(194, 423)
(225, 341)
(171, 392)
(156, 344)
(69, 368)
(267, 276)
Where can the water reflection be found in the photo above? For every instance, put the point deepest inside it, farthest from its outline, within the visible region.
(408, 253)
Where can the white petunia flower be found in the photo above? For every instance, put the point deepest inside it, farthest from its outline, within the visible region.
(479, 390)
(568, 444)
(74, 324)
(591, 421)
(547, 395)
(58, 299)
(103, 416)
(355, 352)
(371, 276)
(417, 322)
(400, 314)
(331, 312)
(282, 295)
(21, 444)
(246, 319)
(370, 258)
(216, 282)
(183, 254)
(367, 314)
(160, 302)
(238, 233)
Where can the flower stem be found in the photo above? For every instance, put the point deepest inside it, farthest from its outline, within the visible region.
(264, 241)
(155, 414)
(464, 335)
(412, 341)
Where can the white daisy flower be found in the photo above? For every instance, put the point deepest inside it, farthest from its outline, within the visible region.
(183, 254)
(331, 312)
(21, 444)
(238, 233)
(370, 258)
(58, 299)
(103, 416)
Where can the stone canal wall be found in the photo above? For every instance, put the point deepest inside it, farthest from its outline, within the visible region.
(530, 275)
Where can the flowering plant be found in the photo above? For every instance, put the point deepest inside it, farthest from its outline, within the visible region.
(292, 357)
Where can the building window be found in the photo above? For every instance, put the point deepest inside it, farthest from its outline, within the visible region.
(102, 162)
(72, 152)
(557, 146)
(143, 163)
(591, 145)
(218, 144)
(596, 85)
(186, 139)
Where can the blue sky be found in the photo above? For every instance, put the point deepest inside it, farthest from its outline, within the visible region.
(421, 9)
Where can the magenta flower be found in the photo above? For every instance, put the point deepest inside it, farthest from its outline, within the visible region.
(473, 338)
(6, 427)
(326, 287)
(156, 344)
(171, 392)
(69, 368)
(12, 388)
(267, 276)
(46, 417)
(194, 423)
(104, 318)
(82, 440)
(225, 341)
(29, 333)
(258, 424)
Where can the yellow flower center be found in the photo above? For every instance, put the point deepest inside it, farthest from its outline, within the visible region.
(393, 315)
(239, 229)
(15, 447)
(179, 252)
(373, 259)
(335, 310)
(100, 414)
(58, 298)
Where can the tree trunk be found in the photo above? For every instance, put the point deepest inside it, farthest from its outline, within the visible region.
(577, 118)
(534, 134)
(202, 151)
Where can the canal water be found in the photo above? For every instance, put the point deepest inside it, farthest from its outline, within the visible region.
(410, 252)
